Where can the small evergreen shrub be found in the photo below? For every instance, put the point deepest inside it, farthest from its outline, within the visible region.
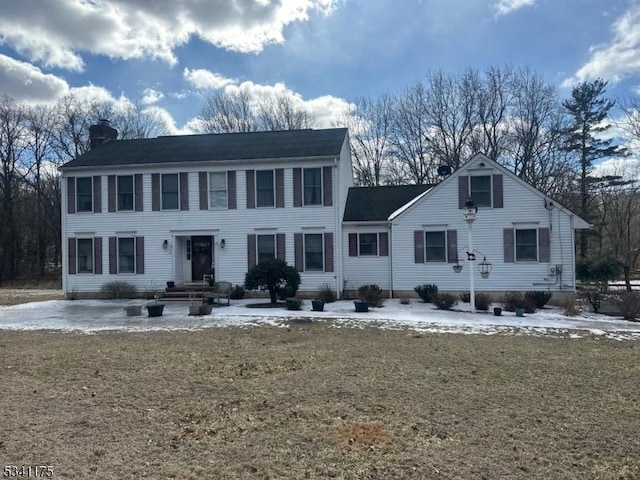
(326, 294)
(237, 292)
(512, 300)
(427, 292)
(118, 289)
(465, 297)
(629, 305)
(483, 301)
(372, 294)
(444, 301)
(540, 298)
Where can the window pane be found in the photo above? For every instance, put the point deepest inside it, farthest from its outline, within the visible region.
(264, 188)
(85, 255)
(170, 191)
(480, 188)
(313, 253)
(526, 245)
(436, 247)
(266, 247)
(312, 186)
(368, 243)
(125, 192)
(126, 255)
(218, 190)
(84, 194)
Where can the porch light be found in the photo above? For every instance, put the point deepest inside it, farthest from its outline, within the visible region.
(222, 243)
(485, 268)
(165, 244)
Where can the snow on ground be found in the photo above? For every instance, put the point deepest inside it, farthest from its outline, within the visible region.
(99, 315)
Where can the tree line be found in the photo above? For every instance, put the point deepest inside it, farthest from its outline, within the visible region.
(510, 114)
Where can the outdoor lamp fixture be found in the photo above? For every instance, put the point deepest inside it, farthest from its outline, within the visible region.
(222, 243)
(470, 213)
(165, 244)
(485, 268)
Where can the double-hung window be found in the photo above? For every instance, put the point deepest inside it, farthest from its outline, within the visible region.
(84, 194)
(266, 247)
(170, 191)
(85, 255)
(526, 245)
(126, 255)
(312, 180)
(265, 188)
(125, 193)
(435, 246)
(313, 252)
(480, 190)
(367, 244)
(218, 190)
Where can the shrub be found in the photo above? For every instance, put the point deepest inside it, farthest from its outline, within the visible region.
(465, 297)
(540, 298)
(118, 289)
(483, 301)
(326, 294)
(570, 307)
(275, 276)
(427, 292)
(629, 304)
(512, 300)
(444, 301)
(237, 292)
(594, 297)
(372, 294)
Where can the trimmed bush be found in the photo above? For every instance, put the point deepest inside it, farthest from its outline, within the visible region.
(275, 276)
(372, 294)
(427, 292)
(465, 297)
(483, 301)
(512, 300)
(540, 298)
(237, 292)
(629, 305)
(118, 289)
(444, 301)
(326, 293)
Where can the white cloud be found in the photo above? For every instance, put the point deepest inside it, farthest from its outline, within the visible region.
(505, 7)
(57, 33)
(205, 79)
(151, 96)
(25, 83)
(618, 58)
(169, 122)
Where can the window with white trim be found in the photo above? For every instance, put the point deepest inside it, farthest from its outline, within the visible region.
(126, 255)
(435, 246)
(526, 245)
(125, 188)
(84, 194)
(480, 190)
(312, 186)
(367, 244)
(218, 190)
(84, 253)
(265, 188)
(313, 252)
(265, 247)
(170, 191)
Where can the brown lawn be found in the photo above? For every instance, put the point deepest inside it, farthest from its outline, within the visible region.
(311, 401)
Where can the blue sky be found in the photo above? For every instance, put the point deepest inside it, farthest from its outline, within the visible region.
(171, 54)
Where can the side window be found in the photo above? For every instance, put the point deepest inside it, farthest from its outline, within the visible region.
(368, 244)
(170, 191)
(313, 252)
(84, 194)
(527, 245)
(265, 189)
(85, 255)
(125, 193)
(312, 180)
(435, 246)
(480, 190)
(218, 190)
(126, 255)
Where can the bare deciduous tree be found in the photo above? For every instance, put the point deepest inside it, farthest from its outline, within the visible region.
(228, 111)
(280, 112)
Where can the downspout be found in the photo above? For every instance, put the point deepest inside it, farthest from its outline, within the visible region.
(389, 246)
(64, 243)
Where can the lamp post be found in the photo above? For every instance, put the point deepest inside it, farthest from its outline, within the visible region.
(470, 212)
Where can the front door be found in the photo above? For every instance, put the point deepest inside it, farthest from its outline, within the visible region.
(201, 257)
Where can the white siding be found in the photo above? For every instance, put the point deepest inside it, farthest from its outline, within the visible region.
(365, 270)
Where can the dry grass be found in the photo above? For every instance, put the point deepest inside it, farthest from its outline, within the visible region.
(18, 296)
(315, 402)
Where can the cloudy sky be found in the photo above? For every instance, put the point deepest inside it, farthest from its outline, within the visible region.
(171, 54)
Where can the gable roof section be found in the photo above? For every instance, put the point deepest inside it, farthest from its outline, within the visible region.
(370, 204)
(215, 147)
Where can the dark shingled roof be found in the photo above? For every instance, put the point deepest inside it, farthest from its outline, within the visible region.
(367, 204)
(215, 147)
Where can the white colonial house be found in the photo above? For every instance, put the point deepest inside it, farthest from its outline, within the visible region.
(177, 208)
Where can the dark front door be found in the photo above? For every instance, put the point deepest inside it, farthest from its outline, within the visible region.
(201, 257)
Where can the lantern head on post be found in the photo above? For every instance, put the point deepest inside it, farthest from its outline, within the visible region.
(485, 268)
(470, 211)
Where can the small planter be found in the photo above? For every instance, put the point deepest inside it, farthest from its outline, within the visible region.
(519, 312)
(497, 311)
(361, 306)
(200, 309)
(171, 284)
(155, 310)
(317, 305)
(293, 304)
(133, 310)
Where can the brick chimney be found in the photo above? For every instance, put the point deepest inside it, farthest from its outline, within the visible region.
(101, 133)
